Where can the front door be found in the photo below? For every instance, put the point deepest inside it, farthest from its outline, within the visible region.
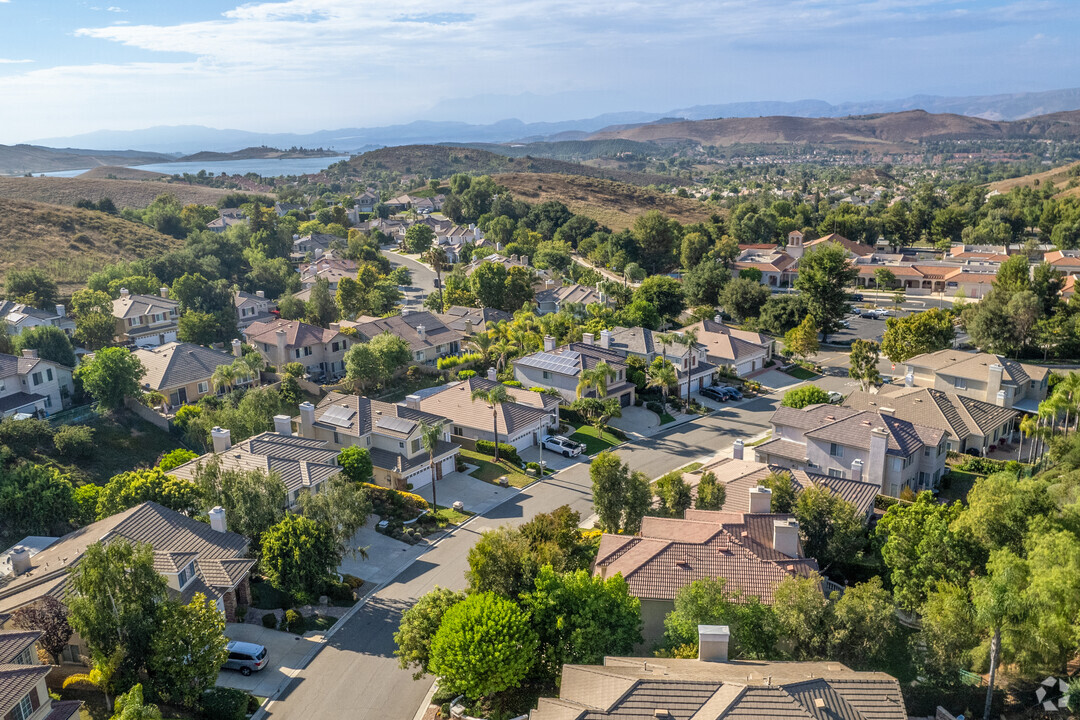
(181, 395)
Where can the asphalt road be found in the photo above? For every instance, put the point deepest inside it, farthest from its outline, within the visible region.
(356, 674)
(423, 277)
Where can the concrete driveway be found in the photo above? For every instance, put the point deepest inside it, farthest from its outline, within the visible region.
(285, 652)
(386, 556)
(634, 419)
(775, 379)
(477, 496)
(553, 460)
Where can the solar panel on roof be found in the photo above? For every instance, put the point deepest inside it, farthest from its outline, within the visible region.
(338, 416)
(395, 424)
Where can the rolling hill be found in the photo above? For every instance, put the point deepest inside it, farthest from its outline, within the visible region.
(610, 203)
(440, 161)
(124, 193)
(256, 153)
(1059, 176)
(69, 244)
(115, 172)
(891, 130)
(21, 159)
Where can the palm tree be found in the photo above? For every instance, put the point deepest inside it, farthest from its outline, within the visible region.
(502, 349)
(665, 341)
(1028, 426)
(494, 396)
(224, 376)
(436, 257)
(662, 377)
(482, 342)
(596, 378)
(430, 435)
(1068, 392)
(252, 362)
(689, 340)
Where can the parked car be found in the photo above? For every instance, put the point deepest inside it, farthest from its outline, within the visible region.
(732, 393)
(871, 313)
(835, 397)
(845, 324)
(714, 394)
(856, 297)
(246, 657)
(563, 445)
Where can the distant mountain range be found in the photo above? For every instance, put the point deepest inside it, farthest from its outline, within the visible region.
(187, 139)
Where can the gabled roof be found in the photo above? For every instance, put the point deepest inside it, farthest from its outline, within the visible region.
(297, 334)
(13, 642)
(176, 364)
(242, 299)
(456, 316)
(18, 680)
(958, 415)
(408, 327)
(572, 359)
(726, 343)
(357, 416)
(976, 366)
(16, 365)
(851, 246)
(139, 305)
(583, 294)
(845, 426)
(455, 403)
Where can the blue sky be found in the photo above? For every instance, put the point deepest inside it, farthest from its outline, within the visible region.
(68, 67)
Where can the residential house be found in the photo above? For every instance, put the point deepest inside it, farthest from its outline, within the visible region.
(560, 369)
(390, 434)
(315, 243)
(469, 321)
(876, 447)
(714, 687)
(182, 372)
(552, 298)
(742, 351)
(778, 268)
(282, 209)
(145, 320)
(399, 203)
(330, 269)
(983, 376)
(366, 201)
(23, 692)
(1068, 287)
(303, 464)
(752, 551)
(194, 557)
(252, 308)
(969, 424)
(522, 422)
(692, 368)
(1067, 262)
(280, 342)
(428, 338)
(227, 218)
(507, 262)
(30, 385)
(20, 316)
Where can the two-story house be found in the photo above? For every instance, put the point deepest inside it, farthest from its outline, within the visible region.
(315, 243)
(691, 362)
(469, 321)
(743, 351)
(145, 320)
(20, 316)
(252, 308)
(366, 201)
(390, 434)
(281, 342)
(553, 297)
(331, 269)
(875, 447)
(429, 339)
(560, 368)
(23, 692)
(183, 372)
(991, 378)
(33, 386)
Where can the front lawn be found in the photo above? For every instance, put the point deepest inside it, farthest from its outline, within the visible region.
(265, 596)
(490, 472)
(666, 418)
(586, 435)
(449, 516)
(318, 623)
(801, 373)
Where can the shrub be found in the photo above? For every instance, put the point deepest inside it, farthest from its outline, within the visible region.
(655, 407)
(74, 441)
(452, 361)
(533, 466)
(175, 459)
(569, 415)
(294, 622)
(269, 620)
(506, 452)
(352, 581)
(253, 704)
(24, 437)
(338, 592)
(466, 374)
(987, 466)
(220, 703)
(513, 383)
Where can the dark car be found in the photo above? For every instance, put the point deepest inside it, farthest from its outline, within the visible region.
(856, 297)
(714, 394)
(731, 393)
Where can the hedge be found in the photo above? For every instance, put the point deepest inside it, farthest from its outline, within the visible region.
(569, 415)
(655, 407)
(453, 361)
(987, 466)
(221, 703)
(506, 452)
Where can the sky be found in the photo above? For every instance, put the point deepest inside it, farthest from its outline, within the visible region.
(68, 67)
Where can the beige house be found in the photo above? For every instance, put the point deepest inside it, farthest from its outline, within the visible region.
(691, 364)
(743, 351)
(29, 384)
(145, 320)
(429, 339)
(182, 372)
(983, 376)
(252, 308)
(390, 434)
(280, 342)
(560, 368)
(23, 692)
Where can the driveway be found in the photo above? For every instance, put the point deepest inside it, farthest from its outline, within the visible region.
(477, 496)
(285, 652)
(638, 420)
(386, 557)
(553, 460)
(776, 380)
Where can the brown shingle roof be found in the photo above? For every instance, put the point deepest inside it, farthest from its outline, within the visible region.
(724, 343)
(18, 680)
(176, 364)
(13, 642)
(959, 415)
(455, 403)
(138, 305)
(976, 366)
(297, 334)
(407, 327)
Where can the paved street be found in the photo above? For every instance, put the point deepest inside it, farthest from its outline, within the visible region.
(356, 673)
(423, 278)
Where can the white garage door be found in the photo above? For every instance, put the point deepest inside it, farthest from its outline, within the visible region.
(448, 466)
(420, 479)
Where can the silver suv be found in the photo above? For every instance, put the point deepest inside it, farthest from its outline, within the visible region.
(246, 657)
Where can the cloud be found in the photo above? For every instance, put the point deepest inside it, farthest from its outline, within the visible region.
(11, 61)
(114, 9)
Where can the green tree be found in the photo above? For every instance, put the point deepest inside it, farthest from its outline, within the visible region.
(884, 278)
(31, 286)
(252, 499)
(694, 247)
(291, 307)
(663, 293)
(342, 506)
(703, 282)
(298, 555)
(488, 284)
(130, 706)
(134, 487)
(918, 333)
(801, 397)
(1014, 274)
(393, 352)
(708, 602)
(999, 606)
(363, 366)
(35, 500)
(197, 327)
(175, 458)
(661, 374)
(864, 626)
(112, 375)
(999, 509)
(356, 464)
(484, 646)
(782, 488)
(864, 358)
(674, 494)
(580, 618)
(802, 341)
(321, 309)
(782, 313)
(519, 288)
(948, 634)
(51, 342)
(494, 397)
(49, 617)
(803, 615)
(187, 650)
(831, 528)
(657, 239)
(825, 273)
(418, 627)
(621, 498)
(419, 237)
(711, 495)
(744, 298)
(95, 330)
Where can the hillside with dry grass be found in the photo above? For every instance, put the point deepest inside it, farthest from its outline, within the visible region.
(69, 244)
(1061, 177)
(115, 172)
(123, 193)
(610, 203)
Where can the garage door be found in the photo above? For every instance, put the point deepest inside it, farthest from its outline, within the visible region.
(448, 466)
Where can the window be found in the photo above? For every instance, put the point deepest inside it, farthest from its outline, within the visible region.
(401, 445)
(186, 575)
(48, 401)
(48, 374)
(833, 472)
(922, 479)
(71, 655)
(24, 709)
(960, 383)
(36, 377)
(547, 375)
(458, 430)
(297, 351)
(836, 451)
(415, 445)
(334, 347)
(204, 387)
(337, 438)
(307, 351)
(24, 658)
(897, 464)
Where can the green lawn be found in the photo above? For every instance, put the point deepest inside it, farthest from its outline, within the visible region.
(488, 471)
(265, 596)
(320, 623)
(586, 435)
(801, 373)
(759, 441)
(666, 418)
(691, 467)
(449, 516)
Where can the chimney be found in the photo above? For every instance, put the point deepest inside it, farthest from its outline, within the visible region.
(260, 294)
(492, 375)
(307, 420)
(468, 326)
(713, 643)
(587, 338)
(61, 311)
(856, 469)
(164, 291)
(222, 439)
(282, 338)
(717, 319)
(421, 331)
(993, 381)
(335, 327)
(909, 380)
(124, 293)
(283, 425)
(887, 411)
(879, 443)
(498, 246)
(737, 449)
(1000, 399)
(525, 260)
(237, 348)
(549, 343)
(20, 560)
(514, 258)
(605, 339)
(29, 352)
(786, 537)
(412, 401)
(217, 518)
(760, 500)
(549, 284)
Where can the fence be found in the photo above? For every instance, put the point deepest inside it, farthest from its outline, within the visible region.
(75, 415)
(146, 413)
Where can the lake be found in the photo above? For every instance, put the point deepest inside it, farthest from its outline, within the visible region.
(264, 167)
